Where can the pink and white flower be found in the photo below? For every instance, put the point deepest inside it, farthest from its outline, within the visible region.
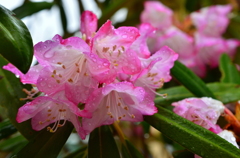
(201, 111)
(158, 15)
(115, 102)
(212, 21)
(45, 110)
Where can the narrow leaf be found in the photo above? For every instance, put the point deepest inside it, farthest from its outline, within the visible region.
(16, 42)
(29, 8)
(230, 73)
(46, 144)
(191, 136)
(6, 129)
(82, 152)
(129, 151)
(192, 82)
(102, 144)
(12, 143)
(225, 92)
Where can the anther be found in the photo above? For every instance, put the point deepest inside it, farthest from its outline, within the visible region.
(126, 108)
(63, 66)
(114, 47)
(132, 116)
(59, 63)
(70, 80)
(123, 48)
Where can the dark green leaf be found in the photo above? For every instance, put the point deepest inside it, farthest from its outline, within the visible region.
(225, 92)
(10, 94)
(230, 73)
(129, 151)
(102, 144)
(192, 82)
(16, 42)
(11, 143)
(29, 8)
(183, 154)
(6, 129)
(46, 144)
(191, 136)
(80, 153)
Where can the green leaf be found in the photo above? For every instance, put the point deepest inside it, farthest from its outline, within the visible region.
(192, 82)
(29, 8)
(225, 92)
(16, 42)
(82, 152)
(46, 144)
(129, 151)
(229, 72)
(102, 144)
(6, 129)
(10, 94)
(191, 136)
(13, 143)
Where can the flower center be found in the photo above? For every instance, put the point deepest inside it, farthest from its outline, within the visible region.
(116, 108)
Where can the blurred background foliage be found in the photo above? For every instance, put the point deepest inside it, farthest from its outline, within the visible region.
(147, 140)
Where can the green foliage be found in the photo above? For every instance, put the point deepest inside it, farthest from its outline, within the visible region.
(16, 42)
(46, 144)
(230, 73)
(29, 8)
(102, 144)
(190, 80)
(225, 92)
(7, 129)
(191, 136)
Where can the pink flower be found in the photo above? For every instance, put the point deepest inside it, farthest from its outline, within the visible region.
(201, 111)
(67, 62)
(212, 21)
(113, 45)
(45, 110)
(30, 77)
(88, 25)
(157, 15)
(114, 102)
(180, 42)
(209, 49)
(141, 45)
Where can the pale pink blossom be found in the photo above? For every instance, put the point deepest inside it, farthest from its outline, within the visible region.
(45, 110)
(113, 44)
(115, 102)
(88, 25)
(141, 45)
(212, 21)
(30, 77)
(157, 14)
(201, 111)
(180, 42)
(209, 49)
(67, 62)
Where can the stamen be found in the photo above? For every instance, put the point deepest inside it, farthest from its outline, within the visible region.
(114, 47)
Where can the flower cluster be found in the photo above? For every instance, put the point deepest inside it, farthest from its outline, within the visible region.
(204, 112)
(196, 50)
(105, 76)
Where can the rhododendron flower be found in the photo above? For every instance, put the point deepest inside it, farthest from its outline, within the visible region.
(179, 41)
(114, 102)
(88, 25)
(157, 15)
(201, 111)
(30, 77)
(212, 21)
(113, 45)
(66, 63)
(209, 50)
(45, 110)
